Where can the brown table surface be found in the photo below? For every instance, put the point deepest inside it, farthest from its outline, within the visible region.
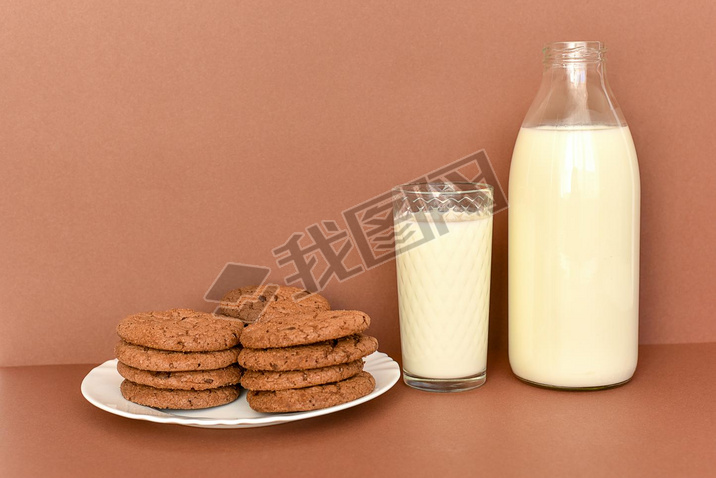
(663, 423)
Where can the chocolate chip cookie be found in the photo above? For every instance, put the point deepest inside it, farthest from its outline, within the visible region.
(304, 328)
(312, 398)
(181, 330)
(302, 357)
(251, 304)
(157, 360)
(189, 380)
(270, 380)
(178, 399)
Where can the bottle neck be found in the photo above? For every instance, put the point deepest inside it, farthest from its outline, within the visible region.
(574, 89)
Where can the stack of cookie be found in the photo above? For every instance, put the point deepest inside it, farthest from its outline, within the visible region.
(306, 361)
(179, 359)
(299, 355)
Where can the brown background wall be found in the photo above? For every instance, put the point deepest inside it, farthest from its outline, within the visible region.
(144, 145)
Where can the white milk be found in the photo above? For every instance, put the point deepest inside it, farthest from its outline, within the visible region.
(444, 297)
(574, 256)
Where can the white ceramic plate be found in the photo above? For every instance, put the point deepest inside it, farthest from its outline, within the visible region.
(101, 388)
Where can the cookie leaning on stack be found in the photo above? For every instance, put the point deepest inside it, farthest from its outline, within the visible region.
(306, 361)
(251, 304)
(179, 359)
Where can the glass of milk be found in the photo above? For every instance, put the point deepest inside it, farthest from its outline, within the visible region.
(443, 245)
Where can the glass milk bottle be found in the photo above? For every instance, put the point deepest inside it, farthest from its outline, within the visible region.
(574, 230)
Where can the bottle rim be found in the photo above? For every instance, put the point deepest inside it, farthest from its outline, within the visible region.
(562, 52)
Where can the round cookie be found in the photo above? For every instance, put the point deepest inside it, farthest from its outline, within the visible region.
(269, 380)
(288, 331)
(312, 398)
(178, 399)
(302, 357)
(253, 303)
(197, 380)
(156, 360)
(181, 330)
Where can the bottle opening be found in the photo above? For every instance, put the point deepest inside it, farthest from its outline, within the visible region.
(573, 52)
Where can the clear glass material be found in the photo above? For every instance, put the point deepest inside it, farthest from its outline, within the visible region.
(574, 197)
(443, 241)
(574, 89)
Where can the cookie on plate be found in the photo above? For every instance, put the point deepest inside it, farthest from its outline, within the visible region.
(312, 398)
(178, 399)
(270, 380)
(250, 304)
(304, 328)
(187, 380)
(157, 360)
(180, 330)
(302, 357)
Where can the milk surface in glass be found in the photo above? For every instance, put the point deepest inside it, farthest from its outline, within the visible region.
(444, 292)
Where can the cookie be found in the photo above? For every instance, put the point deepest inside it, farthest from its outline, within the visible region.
(193, 380)
(178, 399)
(269, 380)
(168, 361)
(252, 303)
(304, 357)
(288, 331)
(311, 398)
(180, 330)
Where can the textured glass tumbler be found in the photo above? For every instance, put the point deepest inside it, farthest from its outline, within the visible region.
(443, 246)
